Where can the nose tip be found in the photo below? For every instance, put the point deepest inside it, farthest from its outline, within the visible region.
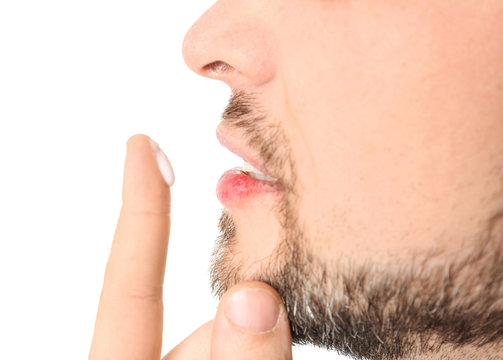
(227, 45)
(202, 60)
(191, 51)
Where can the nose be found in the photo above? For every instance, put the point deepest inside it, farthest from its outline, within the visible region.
(232, 42)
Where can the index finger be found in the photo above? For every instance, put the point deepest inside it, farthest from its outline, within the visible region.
(130, 313)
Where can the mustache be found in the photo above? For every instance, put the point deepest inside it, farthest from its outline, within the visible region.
(243, 114)
(262, 134)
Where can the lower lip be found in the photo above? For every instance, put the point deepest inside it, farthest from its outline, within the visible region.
(235, 186)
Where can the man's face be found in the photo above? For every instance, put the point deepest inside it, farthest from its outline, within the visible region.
(387, 121)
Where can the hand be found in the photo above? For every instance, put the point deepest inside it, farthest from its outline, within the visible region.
(130, 314)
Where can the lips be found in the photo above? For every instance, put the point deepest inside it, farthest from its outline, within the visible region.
(235, 187)
(240, 184)
(236, 149)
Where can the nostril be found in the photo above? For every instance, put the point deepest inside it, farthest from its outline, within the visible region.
(217, 67)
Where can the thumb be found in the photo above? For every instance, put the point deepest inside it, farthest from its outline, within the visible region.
(251, 323)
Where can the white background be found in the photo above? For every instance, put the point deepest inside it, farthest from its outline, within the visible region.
(77, 78)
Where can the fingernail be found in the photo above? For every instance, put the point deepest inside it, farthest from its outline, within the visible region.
(164, 164)
(253, 310)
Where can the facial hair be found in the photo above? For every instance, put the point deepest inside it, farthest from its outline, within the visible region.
(370, 311)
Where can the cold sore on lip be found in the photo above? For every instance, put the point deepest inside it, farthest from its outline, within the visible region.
(236, 185)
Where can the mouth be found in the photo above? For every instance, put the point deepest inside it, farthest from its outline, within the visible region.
(243, 183)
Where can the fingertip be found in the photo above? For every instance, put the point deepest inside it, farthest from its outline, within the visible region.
(145, 188)
(250, 285)
(137, 139)
(141, 140)
(163, 162)
(253, 315)
(252, 306)
(254, 310)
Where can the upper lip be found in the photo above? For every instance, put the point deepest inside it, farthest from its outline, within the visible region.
(233, 147)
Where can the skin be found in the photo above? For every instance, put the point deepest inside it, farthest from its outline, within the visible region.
(392, 113)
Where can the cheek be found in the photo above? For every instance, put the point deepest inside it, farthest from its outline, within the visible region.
(368, 204)
(390, 147)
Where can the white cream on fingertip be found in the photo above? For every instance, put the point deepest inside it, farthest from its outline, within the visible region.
(164, 165)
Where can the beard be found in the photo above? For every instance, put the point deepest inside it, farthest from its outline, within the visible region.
(373, 311)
